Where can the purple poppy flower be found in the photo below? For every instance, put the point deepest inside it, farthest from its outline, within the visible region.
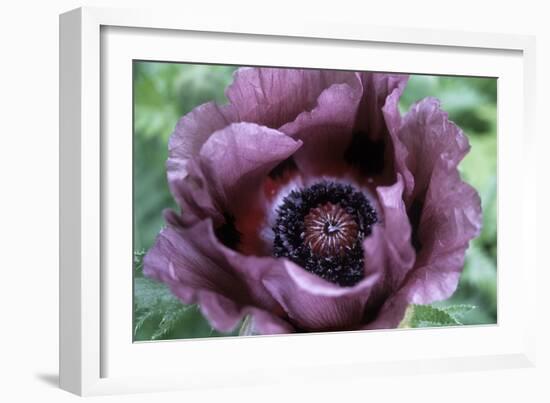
(309, 203)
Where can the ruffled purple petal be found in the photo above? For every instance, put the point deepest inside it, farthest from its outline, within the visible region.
(191, 133)
(371, 148)
(313, 304)
(326, 130)
(230, 167)
(388, 249)
(445, 211)
(393, 120)
(275, 96)
(377, 87)
(451, 217)
(226, 285)
(391, 313)
(194, 196)
(432, 142)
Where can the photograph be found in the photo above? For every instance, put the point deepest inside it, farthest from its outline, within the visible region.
(288, 200)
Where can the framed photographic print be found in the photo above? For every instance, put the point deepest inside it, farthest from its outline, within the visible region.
(242, 204)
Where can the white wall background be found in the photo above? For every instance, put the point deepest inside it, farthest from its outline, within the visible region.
(29, 198)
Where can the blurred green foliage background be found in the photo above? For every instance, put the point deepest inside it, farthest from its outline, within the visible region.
(163, 92)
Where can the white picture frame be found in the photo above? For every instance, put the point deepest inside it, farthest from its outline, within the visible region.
(96, 355)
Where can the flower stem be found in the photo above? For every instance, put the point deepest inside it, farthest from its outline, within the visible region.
(247, 327)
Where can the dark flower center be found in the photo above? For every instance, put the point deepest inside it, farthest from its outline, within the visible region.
(322, 227)
(330, 230)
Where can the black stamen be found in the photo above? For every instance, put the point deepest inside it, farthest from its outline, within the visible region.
(322, 228)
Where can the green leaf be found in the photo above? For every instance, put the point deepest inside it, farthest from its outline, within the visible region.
(149, 293)
(138, 260)
(406, 322)
(429, 316)
(170, 321)
(247, 326)
(157, 312)
(457, 312)
(158, 315)
(428, 313)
